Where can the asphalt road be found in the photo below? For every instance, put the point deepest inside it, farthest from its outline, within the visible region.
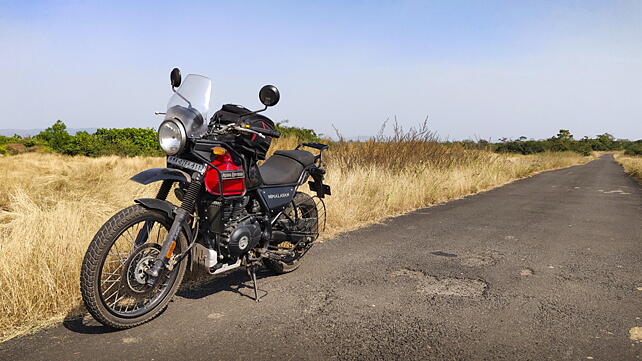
(549, 267)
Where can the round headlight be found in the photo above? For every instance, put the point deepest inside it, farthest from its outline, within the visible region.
(171, 136)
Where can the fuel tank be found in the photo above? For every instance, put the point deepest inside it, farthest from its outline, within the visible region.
(233, 182)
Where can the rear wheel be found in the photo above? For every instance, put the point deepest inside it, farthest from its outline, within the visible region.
(301, 217)
(113, 281)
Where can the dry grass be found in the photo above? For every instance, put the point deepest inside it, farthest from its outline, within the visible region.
(632, 165)
(51, 206)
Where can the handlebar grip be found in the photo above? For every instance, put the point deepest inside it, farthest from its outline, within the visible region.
(268, 132)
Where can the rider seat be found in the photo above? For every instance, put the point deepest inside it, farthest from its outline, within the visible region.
(285, 166)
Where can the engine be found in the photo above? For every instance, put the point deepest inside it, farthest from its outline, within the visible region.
(231, 232)
(241, 237)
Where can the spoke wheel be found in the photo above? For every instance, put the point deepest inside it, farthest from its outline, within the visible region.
(300, 216)
(114, 284)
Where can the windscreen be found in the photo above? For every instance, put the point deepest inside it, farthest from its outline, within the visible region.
(191, 104)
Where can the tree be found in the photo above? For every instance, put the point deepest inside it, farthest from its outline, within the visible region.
(564, 135)
(56, 136)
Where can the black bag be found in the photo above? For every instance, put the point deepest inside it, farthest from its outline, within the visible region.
(251, 144)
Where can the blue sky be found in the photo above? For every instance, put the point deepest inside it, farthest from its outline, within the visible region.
(476, 69)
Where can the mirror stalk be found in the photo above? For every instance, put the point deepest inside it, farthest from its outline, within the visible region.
(254, 112)
(182, 97)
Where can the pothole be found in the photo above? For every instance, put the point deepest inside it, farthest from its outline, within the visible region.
(430, 285)
(443, 254)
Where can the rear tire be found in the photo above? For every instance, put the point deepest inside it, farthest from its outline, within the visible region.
(302, 207)
(91, 282)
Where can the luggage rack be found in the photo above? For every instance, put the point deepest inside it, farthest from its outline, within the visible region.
(319, 146)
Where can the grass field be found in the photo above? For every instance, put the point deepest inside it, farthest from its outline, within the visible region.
(51, 206)
(632, 165)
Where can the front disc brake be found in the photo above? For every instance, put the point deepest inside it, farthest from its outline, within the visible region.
(134, 279)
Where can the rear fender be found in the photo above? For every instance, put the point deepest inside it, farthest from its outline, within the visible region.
(159, 174)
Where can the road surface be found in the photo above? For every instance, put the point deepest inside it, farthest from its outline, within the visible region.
(548, 267)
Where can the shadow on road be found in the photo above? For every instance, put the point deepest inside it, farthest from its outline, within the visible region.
(238, 281)
(195, 286)
(78, 320)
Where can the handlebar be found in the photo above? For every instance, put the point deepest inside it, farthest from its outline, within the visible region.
(268, 132)
(261, 132)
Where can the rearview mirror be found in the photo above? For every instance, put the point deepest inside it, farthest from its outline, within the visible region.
(269, 95)
(175, 77)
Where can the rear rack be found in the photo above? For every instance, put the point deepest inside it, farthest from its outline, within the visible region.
(319, 146)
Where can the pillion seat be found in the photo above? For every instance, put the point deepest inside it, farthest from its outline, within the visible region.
(285, 166)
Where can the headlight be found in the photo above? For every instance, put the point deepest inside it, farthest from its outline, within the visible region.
(171, 136)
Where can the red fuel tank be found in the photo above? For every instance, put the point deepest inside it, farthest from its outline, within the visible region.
(233, 176)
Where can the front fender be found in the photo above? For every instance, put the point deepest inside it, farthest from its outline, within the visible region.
(167, 207)
(159, 174)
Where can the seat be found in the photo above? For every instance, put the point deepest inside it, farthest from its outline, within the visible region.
(304, 157)
(285, 166)
(279, 169)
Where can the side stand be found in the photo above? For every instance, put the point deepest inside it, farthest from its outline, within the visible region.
(251, 271)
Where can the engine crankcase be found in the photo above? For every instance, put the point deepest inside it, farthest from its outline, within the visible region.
(243, 237)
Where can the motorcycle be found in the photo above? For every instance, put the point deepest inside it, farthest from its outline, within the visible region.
(232, 213)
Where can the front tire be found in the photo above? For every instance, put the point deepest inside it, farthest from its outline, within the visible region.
(112, 279)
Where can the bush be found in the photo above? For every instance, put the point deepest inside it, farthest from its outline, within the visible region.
(83, 143)
(302, 134)
(634, 149)
(124, 142)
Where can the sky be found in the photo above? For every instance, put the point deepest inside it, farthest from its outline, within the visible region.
(474, 69)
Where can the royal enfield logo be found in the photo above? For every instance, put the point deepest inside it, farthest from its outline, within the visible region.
(277, 196)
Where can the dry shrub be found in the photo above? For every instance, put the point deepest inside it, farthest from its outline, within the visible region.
(632, 165)
(51, 206)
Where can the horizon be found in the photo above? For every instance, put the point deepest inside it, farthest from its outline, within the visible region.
(491, 71)
(24, 133)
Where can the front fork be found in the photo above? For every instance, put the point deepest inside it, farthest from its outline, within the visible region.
(143, 234)
(182, 213)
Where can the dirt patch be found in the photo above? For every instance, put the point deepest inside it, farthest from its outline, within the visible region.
(478, 261)
(526, 272)
(214, 316)
(131, 339)
(408, 273)
(430, 285)
(15, 148)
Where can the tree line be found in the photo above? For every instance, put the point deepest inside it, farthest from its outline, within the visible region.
(127, 142)
(564, 141)
(144, 142)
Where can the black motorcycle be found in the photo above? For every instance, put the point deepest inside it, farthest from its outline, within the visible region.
(232, 212)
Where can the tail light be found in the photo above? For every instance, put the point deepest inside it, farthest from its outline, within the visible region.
(233, 182)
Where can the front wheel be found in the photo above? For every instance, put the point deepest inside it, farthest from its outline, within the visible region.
(113, 281)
